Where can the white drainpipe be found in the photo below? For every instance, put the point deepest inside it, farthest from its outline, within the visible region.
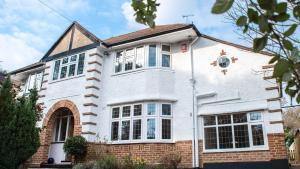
(195, 150)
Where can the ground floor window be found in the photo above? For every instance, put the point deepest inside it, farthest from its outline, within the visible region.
(142, 121)
(234, 131)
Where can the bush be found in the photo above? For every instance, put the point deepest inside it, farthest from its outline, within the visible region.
(171, 161)
(76, 146)
(107, 162)
(88, 165)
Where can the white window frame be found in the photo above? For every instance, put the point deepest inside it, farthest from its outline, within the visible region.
(69, 116)
(249, 123)
(143, 117)
(167, 53)
(68, 66)
(158, 58)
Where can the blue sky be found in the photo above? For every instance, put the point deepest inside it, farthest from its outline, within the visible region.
(28, 28)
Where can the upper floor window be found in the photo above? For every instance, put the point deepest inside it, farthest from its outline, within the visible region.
(166, 56)
(68, 66)
(234, 131)
(136, 58)
(33, 81)
(141, 121)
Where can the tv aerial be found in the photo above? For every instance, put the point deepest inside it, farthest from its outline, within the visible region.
(186, 17)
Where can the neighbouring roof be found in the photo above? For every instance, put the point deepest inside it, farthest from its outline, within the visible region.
(147, 33)
(29, 67)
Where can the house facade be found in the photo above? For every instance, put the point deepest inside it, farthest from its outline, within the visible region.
(156, 91)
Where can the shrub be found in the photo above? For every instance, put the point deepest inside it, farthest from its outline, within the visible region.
(107, 162)
(88, 165)
(171, 161)
(76, 146)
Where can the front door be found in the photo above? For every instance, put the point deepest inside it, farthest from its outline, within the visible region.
(63, 128)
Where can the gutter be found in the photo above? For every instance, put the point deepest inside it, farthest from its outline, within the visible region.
(195, 151)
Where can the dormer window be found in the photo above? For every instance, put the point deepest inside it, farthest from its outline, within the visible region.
(68, 66)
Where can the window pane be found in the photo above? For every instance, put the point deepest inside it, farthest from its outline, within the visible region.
(166, 109)
(166, 129)
(210, 135)
(137, 129)
(63, 72)
(224, 119)
(151, 109)
(56, 70)
(63, 129)
(255, 116)
(209, 120)
(137, 111)
(125, 130)
(225, 137)
(115, 130)
(126, 111)
(240, 118)
(65, 60)
(152, 55)
(71, 127)
(72, 70)
(257, 135)
(241, 136)
(166, 48)
(116, 112)
(80, 64)
(165, 60)
(57, 129)
(119, 61)
(151, 129)
(73, 58)
(129, 59)
(140, 59)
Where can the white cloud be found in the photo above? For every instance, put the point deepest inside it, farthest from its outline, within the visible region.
(28, 28)
(171, 11)
(15, 53)
(128, 13)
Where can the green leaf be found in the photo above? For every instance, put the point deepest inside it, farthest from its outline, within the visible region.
(291, 30)
(281, 17)
(267, 4)
(252, 15)
(245, 28)
(296, 12)
(287, 44)
(274, 59)
(281, 7)
(260, 43)
(221, 6)
(242, 21)
(280, 68)
(287, 77)
(263, 24)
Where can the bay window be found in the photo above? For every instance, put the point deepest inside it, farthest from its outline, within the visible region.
(233, 131)
(68, 66)
(142, 122)
(137, 57)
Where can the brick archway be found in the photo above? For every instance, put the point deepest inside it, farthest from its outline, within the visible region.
(48, 125)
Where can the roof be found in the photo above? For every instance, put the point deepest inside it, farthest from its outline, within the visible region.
(90, 35)
(147, 33)
(29, 67)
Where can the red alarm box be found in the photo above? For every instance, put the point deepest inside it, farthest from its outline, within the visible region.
(183, 47)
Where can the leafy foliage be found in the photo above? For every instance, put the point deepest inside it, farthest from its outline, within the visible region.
(171, 160)
(19, 136)
(76, 146)
(145, 11)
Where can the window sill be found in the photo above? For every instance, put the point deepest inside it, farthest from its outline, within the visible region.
(141, 142)
(236, 150)
(143, 70)
(69, 78)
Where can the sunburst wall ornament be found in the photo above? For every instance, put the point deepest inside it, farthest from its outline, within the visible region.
(223, 61)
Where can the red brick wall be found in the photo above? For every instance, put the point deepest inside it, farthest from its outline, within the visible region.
(276, 150)
(150, 152)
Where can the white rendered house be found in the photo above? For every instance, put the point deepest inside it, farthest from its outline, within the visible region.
(159, 90)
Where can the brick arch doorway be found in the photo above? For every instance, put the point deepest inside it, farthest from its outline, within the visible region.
(61, 122)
